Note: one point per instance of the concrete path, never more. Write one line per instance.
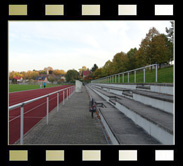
(71, 125)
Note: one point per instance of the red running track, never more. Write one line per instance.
(33, 112)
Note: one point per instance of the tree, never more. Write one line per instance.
(58, 72)
(120, 62)
(151, 34)
(88, 78)
(42, 72)
(34, 74)
(95, 67)
(170, 36)
(84, 68)
(14, 74)
(98, 73)
(160, 48)
(131, 58)
(51, 78)
(11, 75)
(31, 74)
(145, 49)
(23, 74)
(107, 69)
(139, 58)
(170, 32)
(48, 69)
(71, 75)
(169, 45)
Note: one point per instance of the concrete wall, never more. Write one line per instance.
(162, 89)
(154, 87)
(78, 85)
(151, 128)
(160, 104)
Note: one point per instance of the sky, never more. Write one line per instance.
(72, 44)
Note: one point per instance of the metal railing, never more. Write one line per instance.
(70, 91)
(113, 78)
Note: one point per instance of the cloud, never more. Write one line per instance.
(72, 44)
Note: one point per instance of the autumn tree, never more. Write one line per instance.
(98, 73)
(87, 78)
(32, 74)
(139, 58)
(84, 68)
(51, 78)
(42, 72)
(131, 58)
(48, 69)
(170, 36)
(170, 32)
(107, 69)
(58, 72)
(23, 74)
(95, 67)
(11, 75)
(145, 49)
(160, 49)
(120, 62)
(14, 74)
(154, 48)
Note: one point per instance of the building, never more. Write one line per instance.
(86, 73)
(18, 79)
(62, 77)
(41, 79)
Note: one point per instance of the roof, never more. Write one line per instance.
(40, 78)
(17, 78)
(41, 75)
(86, 73)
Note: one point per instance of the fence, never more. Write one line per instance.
(113, 78)
(69, 91)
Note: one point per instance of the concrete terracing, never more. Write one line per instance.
(149, 110)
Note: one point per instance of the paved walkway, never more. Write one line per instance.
(71, 125)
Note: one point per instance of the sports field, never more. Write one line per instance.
(18, 87)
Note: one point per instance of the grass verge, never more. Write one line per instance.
(17, 87)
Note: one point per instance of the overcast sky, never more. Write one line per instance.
(73, 44)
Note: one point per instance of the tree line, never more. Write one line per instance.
(155, 48)
(35, 73)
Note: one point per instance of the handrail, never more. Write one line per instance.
(32, 100)
(70, 91)
(134, 70)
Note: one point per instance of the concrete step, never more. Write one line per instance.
(146, 87)
(125, 130)
(117, 90)
(127, 93)
(167, 88)
(157, 100)
(99, 101)
(157, 123)
(120, 128)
